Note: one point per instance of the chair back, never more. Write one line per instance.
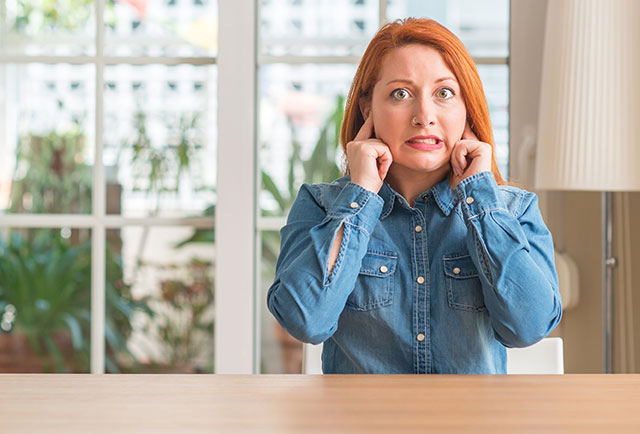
(544, 357)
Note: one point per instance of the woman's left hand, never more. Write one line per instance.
(470, 156)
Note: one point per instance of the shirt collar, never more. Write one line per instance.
(442, 193)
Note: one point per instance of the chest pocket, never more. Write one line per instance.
(464, 290)
(374, 287)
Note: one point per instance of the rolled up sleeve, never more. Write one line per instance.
(515, 259)
(306, 298)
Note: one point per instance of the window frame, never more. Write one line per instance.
(238, 220)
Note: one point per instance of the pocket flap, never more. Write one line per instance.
(459, 267)
(379, 264)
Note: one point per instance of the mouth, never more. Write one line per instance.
(425, 143)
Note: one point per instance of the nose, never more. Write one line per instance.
(424, 114)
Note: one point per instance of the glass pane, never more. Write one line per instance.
(45, 300)
(317, 28)
(301, 108)
(161, 28)
(483, 26)
(44, 27)
(164, 320)
(495, 80)
(280, 352)
(47, 124)
(160, 139)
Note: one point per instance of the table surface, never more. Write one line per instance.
(56, 403)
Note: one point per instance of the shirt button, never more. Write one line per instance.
(418, 228)
(469, 200)
(383, 269)
(425, 196)
(420, 337)
(456, 270)
(420, 280)
(354, 205)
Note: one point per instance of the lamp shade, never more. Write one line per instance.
(589, 120)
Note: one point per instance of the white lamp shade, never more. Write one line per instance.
(589, 120)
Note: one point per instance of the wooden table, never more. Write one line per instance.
(322, 404)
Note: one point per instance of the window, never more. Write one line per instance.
(107, 186)
(111, 173)
(303, 79)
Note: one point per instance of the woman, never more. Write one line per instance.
(423, 260)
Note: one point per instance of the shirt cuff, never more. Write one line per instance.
(479, 194)
(361, 206)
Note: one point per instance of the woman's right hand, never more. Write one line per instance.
(369, 158)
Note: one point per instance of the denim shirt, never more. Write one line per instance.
(440, 287)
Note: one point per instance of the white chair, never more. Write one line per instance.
(544, 357)
(312, 359)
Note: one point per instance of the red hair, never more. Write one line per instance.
(455, 55)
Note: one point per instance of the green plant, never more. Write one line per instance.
(47, 281)
(183, 313)
(320, 167)
(51, 176)
(46, 277)
(62, 15)
(159, 168)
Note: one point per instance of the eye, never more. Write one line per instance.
(400, 94)
(445, 93)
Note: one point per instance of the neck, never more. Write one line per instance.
(410, 183)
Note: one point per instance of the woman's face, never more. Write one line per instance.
(417, 108)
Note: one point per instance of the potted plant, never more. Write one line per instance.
(183, 317)
(45, 274)
(45, 285)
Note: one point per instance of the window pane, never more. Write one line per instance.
(495, 80)
(45, 300)
(41, 27)
(47, 135)
(280, 352)
(161, 28)
(160, 135)
(483, 26)
(301, 109)
(316, 28)
(162, 281)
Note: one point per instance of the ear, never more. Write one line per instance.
(365, 107)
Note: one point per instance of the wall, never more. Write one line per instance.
(574, 218)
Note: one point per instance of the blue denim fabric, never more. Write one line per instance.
(484, 253)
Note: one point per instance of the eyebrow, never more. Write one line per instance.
(402, 80)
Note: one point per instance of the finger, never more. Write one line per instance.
(453, 159)
(366, 130)
(384, 162)
(459, 157)
(468, 133)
